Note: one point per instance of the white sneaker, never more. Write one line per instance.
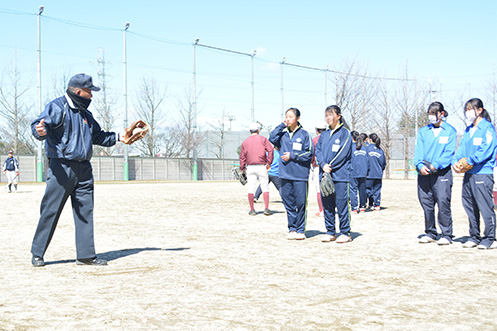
(300, 236)
(469, 244)
(426, 240)
(292, 235)
(443, 241)
(493, 246)
(342, 239)
(327, 238)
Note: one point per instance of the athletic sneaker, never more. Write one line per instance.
(443, 241)
(377, 208)
(267, 212)
(493, 246)
(355, 211)
(252, 213)
(363, 210)
(342, 239)
(292, 235)
(426, 240)
(327, 238)
(469, 244)
(300, 236)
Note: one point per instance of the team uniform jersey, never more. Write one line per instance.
(479, 145)
(435, 145)
(330, 144)
(377, 162)
(359, 162)
(298, 143)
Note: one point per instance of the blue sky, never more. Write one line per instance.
(451, 43)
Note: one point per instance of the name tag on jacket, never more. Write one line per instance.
(297, 146)
(477, 141)
(443, 140)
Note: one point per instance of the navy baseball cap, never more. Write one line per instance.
(83, 81)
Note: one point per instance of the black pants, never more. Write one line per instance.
(67, 179)
(436, 189)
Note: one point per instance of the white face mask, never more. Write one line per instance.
(471, 115)
(432, 119)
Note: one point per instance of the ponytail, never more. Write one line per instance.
(375, 139)
(358, 139)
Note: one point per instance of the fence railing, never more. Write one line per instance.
(109, 168)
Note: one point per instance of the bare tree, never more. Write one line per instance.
(169, 139)
(406, 102)
(150, 97)
(189, 135)
(58, 86)
(15, 111)
(491, 102)
(219, 129)
(384, 121)
(104, 103)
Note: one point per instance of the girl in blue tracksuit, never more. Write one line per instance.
(333, 155)
(359, 172)
(435, 147)
(377, 163)
(296, 152)
(478, 148)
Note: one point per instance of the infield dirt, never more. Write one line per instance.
(187, 256)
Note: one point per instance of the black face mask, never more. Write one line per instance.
(79, 102)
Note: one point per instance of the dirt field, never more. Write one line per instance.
(187, 256)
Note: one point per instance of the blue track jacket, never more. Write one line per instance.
(331, 143)
(299, 144)
(377, 162)
(360, 162)
(71, 133)
(438, 150)
(274, 165)
(480, 148)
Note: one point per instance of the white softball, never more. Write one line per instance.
(137, 130)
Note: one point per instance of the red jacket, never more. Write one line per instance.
(255, 149)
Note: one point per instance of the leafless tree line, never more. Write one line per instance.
(392, 108)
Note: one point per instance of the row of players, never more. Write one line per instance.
(357, 164)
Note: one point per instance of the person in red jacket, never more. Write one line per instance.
(256, 156)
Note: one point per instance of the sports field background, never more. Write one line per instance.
(187, 256)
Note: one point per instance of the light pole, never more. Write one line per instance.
(39, 164)
(252, 112)
(195, 157)
(125, 78)
(281, 87)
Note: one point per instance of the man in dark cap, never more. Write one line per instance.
(69, 131)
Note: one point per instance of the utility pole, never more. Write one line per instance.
(195, 156)
(281, 88)
(39, 165)
(252, 112)
(126, 164)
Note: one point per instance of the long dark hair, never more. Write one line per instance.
(358, 139)
(335, 109)
(375, 139)
(475, 104)
(364, 136)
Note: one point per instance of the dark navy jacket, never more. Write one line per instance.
(71, 133)
(11, 164)
(330, 143)
(299, 144)
(377, 162)
(359, 161)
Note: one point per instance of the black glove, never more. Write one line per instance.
(430, 167)
(327, 186)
